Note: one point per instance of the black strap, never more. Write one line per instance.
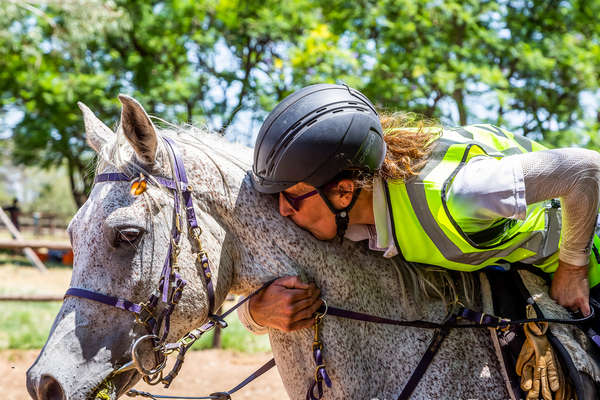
(216, 396)
(488, 321)
(342, 217)
(415, 378)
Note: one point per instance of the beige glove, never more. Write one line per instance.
(537, 365)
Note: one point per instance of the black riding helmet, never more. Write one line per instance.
(312, 136)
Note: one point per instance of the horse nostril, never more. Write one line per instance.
(50, 389)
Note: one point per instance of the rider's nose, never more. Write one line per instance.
(285, 208)
(50, 389)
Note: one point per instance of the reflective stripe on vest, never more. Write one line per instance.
(427, 233)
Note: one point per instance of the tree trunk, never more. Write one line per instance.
(79, 196)
(458, 97)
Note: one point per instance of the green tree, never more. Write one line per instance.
(528, 60)
(185, 60)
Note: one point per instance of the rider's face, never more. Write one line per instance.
(311, 213)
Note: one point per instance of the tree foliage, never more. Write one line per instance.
(529, 65)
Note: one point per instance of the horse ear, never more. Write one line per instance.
(96, 133)
(138, 129)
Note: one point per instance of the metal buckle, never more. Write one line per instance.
(174, 299)
(144, 315)
(503, 327)
(218, 321)
(196, 232)
(319, 316)
(319, 378)
(178, 222)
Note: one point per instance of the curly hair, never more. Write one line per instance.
(408, 137)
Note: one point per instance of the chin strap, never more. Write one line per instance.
(342, 216)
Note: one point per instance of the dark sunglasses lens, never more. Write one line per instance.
(291, 200)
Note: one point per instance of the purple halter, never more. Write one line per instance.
(170, 285)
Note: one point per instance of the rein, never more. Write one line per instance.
(171, 284)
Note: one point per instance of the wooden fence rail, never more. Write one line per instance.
(34, 244)
(31, 298)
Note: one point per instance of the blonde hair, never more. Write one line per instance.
(408, 137)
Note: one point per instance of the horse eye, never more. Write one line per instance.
(127, 235)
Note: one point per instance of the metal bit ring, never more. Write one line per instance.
(136, 361)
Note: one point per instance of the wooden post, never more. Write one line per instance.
(17, 235)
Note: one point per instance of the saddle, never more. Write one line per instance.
(522, 293)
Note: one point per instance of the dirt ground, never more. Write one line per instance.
(204, 372)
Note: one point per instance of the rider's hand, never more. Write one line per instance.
(286, 304)
(570, 287)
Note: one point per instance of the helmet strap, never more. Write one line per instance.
(342, 217)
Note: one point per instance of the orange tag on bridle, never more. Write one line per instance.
(138, 186)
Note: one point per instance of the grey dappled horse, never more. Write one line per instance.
(120, 242)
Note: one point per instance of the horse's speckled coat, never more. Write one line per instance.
(248, 243)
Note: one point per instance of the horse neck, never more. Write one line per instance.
(229, 209)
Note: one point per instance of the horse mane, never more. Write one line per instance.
(418, 282)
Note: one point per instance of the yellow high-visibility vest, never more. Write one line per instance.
(426, 231)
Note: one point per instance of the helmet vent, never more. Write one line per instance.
(311, 122)
(338, 111)
(321, 110)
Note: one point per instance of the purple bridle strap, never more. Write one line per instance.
(117, 302)
(121, 177)
(182, 178)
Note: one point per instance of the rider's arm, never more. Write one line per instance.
(488, 188)
(248, 322)
(573, 175)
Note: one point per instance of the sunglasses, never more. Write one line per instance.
(295, 200)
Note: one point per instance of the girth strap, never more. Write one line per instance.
(426, 359)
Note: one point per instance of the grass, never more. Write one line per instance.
(25, 325)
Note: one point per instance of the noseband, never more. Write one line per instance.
(170, 284)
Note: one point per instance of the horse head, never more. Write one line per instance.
(120, 240)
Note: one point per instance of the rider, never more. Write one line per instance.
(460, 198)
